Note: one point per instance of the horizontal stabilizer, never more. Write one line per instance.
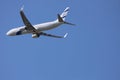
(69, 23)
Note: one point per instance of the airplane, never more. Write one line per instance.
(37, 30)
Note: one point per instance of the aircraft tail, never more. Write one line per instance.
(61, 18)
(65, 12)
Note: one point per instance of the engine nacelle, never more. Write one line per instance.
(35, 36)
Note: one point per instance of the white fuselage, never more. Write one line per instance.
(47, 25)
(38, 27)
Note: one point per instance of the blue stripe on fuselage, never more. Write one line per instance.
(19, 33)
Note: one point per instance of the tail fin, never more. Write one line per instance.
(64, 14)
(61, 18)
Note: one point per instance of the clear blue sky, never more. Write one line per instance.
(90, 52)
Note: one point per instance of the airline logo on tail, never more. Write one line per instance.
(64, 14)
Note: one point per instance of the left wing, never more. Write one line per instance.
(50, 35)
(28, 25)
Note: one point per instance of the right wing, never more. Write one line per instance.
(50, 35)
(27, 23)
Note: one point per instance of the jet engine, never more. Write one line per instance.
(35, 35)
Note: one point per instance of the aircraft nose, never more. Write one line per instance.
(10, 33)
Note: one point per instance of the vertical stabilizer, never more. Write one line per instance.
(61, 18)
(64, 14)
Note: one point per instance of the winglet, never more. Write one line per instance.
(65, 35)
(22, 8)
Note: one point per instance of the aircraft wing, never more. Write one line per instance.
(50, 35)
(27, 23)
